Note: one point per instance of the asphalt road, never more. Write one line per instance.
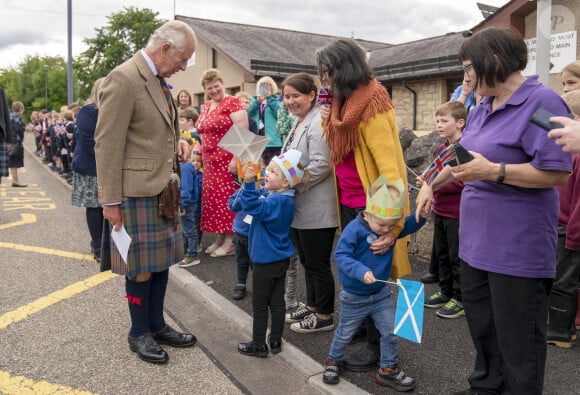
(73, 344)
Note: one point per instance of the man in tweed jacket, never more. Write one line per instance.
(137, 148)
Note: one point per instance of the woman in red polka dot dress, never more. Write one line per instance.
(217, 115)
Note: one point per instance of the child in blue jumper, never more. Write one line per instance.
(362, 295)
(189, 199)
(270, 245)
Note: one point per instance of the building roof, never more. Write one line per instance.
(430, 57)
(265, 50)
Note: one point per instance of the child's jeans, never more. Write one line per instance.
(354, 309)
(189, 230)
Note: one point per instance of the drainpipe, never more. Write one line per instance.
(414, 103)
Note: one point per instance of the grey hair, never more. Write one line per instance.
(175, 33)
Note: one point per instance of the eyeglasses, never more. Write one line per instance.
(467, 67)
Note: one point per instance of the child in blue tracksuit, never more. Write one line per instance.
(362, 295)
(270, 245)
(189, 199)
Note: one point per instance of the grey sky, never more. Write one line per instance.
(39, 27)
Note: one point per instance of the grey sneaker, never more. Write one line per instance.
(436, 300)
(312, 324)
(452, 309)
(395, 378)
(189, 261)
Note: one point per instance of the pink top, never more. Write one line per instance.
(350, 189)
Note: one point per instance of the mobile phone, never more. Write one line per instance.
(263, 89)
(542, 118)
(463, 156)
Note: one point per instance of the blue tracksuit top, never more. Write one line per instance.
(242, 219)
(272, 213)
(354, 257)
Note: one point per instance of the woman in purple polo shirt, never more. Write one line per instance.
(509, 215)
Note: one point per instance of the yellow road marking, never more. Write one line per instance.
(24, 312)
(47, 251)
(18, 385)
(25, 219)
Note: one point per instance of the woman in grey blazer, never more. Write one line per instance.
(316, 219)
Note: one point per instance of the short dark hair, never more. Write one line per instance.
(495, 53)
(303, 83)
(346, 62)
(189, 113)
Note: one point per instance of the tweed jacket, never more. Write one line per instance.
(379, 152)
(315, 202)
(136, 134)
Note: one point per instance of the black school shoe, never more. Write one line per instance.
(275, 345)
(147, 348)
(252, 350)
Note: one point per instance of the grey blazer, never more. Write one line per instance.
(136, 134)
(315, 202)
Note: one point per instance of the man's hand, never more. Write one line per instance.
(113, 214)
(183, 150)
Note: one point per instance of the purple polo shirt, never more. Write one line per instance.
(502, 228)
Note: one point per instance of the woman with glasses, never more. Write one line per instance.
(361, 130)
(508, 215)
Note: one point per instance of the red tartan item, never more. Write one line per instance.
(324, 96)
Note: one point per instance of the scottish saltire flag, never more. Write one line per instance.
(446, 157)
(324, 96)
(409, 313)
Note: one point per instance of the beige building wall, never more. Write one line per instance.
(232, 74)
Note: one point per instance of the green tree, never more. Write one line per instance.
(34, 78)
(126, 32)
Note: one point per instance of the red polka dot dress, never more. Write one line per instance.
(218, 184)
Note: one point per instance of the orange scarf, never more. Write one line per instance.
(342, 132)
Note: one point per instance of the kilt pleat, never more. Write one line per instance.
(155, 246)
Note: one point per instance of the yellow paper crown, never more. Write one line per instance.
(379, 199)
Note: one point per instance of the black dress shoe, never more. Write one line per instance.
(147, 348)
(362, 361)
(239, 292)
(171, 337)
(251, 349)
(429, 278)
(18, 185)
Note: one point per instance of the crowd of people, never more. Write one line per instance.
(328, 167)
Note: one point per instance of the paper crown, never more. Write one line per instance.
(381, 203)
(288, 163)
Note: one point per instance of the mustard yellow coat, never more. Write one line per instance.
(379, 152)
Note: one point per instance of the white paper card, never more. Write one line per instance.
(122, 241)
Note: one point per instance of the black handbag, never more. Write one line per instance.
(17, 149)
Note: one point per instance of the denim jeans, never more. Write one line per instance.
(354, 309)
(189, 230)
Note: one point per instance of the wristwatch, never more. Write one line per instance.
(501, 175)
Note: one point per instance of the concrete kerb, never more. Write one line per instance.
(291, 354)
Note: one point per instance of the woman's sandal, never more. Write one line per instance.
(210, 250)
(219, 252)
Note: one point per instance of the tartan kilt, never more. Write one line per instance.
(155, 246)
(3, 159)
